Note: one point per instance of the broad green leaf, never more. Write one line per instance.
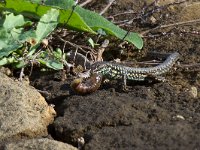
(38, 1)
(81, 19)
(20, 64)
(67, 4)
(5, 60)
(96, 22)
(35, 11)
(3, 38)
(9, 34)
(27, 36)
(52, 61)
(15, 33)
(47, 24)
(53, 64)
(7, 43)
(5, 51)
(12, 21)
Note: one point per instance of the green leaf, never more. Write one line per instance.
(20, 64)
(15, 33)
(91, 42)
(101, 32)
(47, 24)
(7, 43)
(53, 64)
(3, 38)
(12, 21)
(96, 22)
(27, 36)
(60, 3)
(5, 60)
(10, 33)
(81, 19)
(9, 49)
(35, 11)
(58, 53)
(52, 61)
(37, 1)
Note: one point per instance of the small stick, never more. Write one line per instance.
(106, 8)
(101, 50)
(71, 44)
(44, 93)
(189, 66)
(85, 3)
(79, 46)
(85, 61)
(21, 74)
(123, 13)
(170, 25)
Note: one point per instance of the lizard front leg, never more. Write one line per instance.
(124, 84)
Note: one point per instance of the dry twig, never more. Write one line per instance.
(101, 50)
(85, 3)
(106, 8)
(71, 44)
(170, 25)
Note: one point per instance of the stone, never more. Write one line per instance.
(23, 111)
(39, 144)
(194, 92)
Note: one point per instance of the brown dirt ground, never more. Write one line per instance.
(149, 116)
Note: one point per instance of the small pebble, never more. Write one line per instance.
(194, 91)
(180, 117)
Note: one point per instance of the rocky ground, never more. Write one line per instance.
(25, 115)
(162, 115)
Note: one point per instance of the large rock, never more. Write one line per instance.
(38, 144)
(23, 111)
